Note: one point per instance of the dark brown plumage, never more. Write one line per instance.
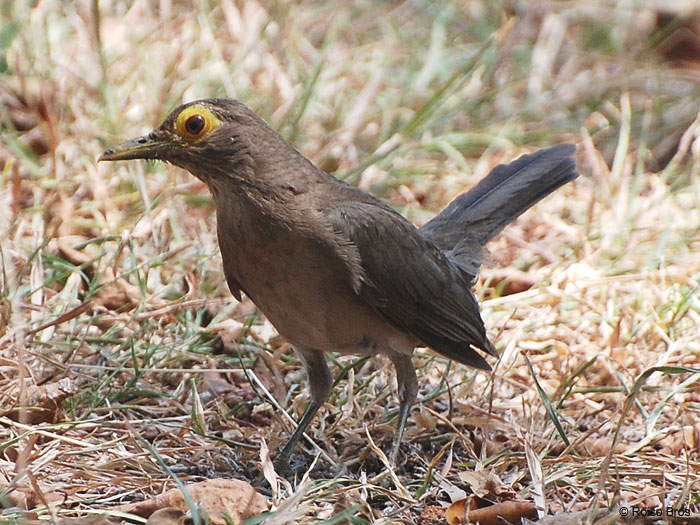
(332, 267)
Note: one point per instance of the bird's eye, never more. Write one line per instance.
(195, 122)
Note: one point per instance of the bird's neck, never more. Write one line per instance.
(272, 200)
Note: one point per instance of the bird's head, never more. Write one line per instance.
(209, 138)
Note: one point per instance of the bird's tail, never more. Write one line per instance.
(475, 217)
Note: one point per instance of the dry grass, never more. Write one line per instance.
(122, 350)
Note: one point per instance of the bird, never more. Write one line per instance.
(332, 267)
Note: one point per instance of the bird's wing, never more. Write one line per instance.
(410, 281)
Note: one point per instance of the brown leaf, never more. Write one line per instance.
(63, 318)
(5, 312)
(65, 247)
(168, 516)
(681, 46)
(17, 498)
(35, 141)
(43, 402)
(678, 441)
(19, 111)
(25, 114)
(229, 330)
(498, 514)
(484, 483)
(116, 293)
(216, 383)
(599, 447)
(455, 512)
(510, 280)
(425, 419)
(232, 498)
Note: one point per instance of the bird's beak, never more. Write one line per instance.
(146, 147)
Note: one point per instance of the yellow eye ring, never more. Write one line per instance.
(195, 122)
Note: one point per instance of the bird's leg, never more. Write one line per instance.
(320, 383)
(408, 390)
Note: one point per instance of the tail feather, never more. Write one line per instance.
(475, 217)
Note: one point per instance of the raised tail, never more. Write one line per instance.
(475, 217)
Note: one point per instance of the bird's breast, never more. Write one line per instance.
(301, 285)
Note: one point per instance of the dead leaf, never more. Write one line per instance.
(25, 114)
(599, 447)
(484, 483)
(21, 112)
(65, 247)
(681, 46)
(676, 442)
(17, 498)
(229, 330)
(455, 513)
(425, 419)
(221, 498)
(116, 293)
(43, 402)
(5, 313)
(648, 497)
(168, 516)
(498, 514)
(215, 382)
(63, 318)
(510, 280)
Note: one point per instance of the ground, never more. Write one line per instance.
(126, 367)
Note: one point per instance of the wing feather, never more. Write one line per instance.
(411, 282)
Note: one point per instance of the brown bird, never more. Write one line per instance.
(332, 267)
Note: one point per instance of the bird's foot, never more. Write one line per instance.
(291, 465)
(297, 465)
